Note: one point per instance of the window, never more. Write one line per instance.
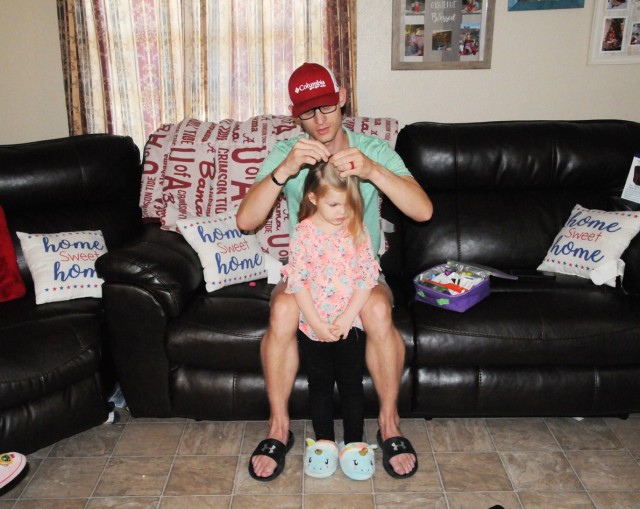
(133, 65)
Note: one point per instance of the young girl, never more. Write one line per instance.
(331, 271)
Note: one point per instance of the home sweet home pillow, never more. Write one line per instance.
(227, 255)
(591, 243)
(63, 264)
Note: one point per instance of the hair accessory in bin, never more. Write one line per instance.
(454, 285)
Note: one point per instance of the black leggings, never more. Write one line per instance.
(328, 363)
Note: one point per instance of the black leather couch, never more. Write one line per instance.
(55, 373)
(501, 191)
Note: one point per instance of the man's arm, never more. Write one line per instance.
(262, 195)
(403, 191)
(258, 202)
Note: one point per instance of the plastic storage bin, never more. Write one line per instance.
(455, 295)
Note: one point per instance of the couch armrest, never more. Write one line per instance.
(161, 262)
(631, 256)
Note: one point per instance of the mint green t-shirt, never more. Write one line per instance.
(374, 148)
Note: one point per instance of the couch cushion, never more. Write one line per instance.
(502, 190)
(518, 325)
(219, 333)
(89, 182)
(44, 355)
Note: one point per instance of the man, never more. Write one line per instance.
(317, 102)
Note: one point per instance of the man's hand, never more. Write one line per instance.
(404, 192)
(304, 152)
(259, 200)
(350, 161)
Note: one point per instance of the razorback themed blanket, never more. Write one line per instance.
(201, 169)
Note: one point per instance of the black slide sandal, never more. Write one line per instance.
(392, 447)
(275, 450)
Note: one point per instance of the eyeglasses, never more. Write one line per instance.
(312, 113)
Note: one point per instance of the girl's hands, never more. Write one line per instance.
(343, 326)
(326, 332)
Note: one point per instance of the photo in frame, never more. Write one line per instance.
(538, 5)
(442, 34)
(615, 32)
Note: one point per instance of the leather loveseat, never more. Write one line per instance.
(501, 191)
(55, 372)
(538, 346)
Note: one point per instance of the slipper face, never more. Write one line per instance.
(320, 458)
(357, 460)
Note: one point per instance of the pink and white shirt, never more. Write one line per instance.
(330, 267)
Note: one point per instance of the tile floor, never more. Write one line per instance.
(464, 463)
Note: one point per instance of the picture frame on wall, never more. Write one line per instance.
(615, 32)
(538, 5)
(442, 34)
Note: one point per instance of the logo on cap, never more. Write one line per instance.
(311, 86)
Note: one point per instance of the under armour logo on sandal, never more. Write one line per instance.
(398, 446)
(268, 449)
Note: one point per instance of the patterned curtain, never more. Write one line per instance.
(132, 65)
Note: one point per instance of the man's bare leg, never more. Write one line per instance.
(385, 360)
(279, 354)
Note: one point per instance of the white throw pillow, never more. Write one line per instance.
(226, 254)
(591, 243)
(62, 265)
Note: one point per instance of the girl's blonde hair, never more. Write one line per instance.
(324, 176)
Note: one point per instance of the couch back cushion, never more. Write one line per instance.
(502, 190)
(88, 182)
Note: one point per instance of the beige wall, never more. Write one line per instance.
(32, 105)
(539, 71)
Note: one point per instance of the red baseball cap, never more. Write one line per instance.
(312, 86)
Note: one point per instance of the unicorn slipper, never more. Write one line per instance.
(320, 458)
(11, 464)
(357, 460)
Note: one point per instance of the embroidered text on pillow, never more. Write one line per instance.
(63, 264)
(227, 255)
(591, 243)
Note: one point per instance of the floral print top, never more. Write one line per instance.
(330, 267)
